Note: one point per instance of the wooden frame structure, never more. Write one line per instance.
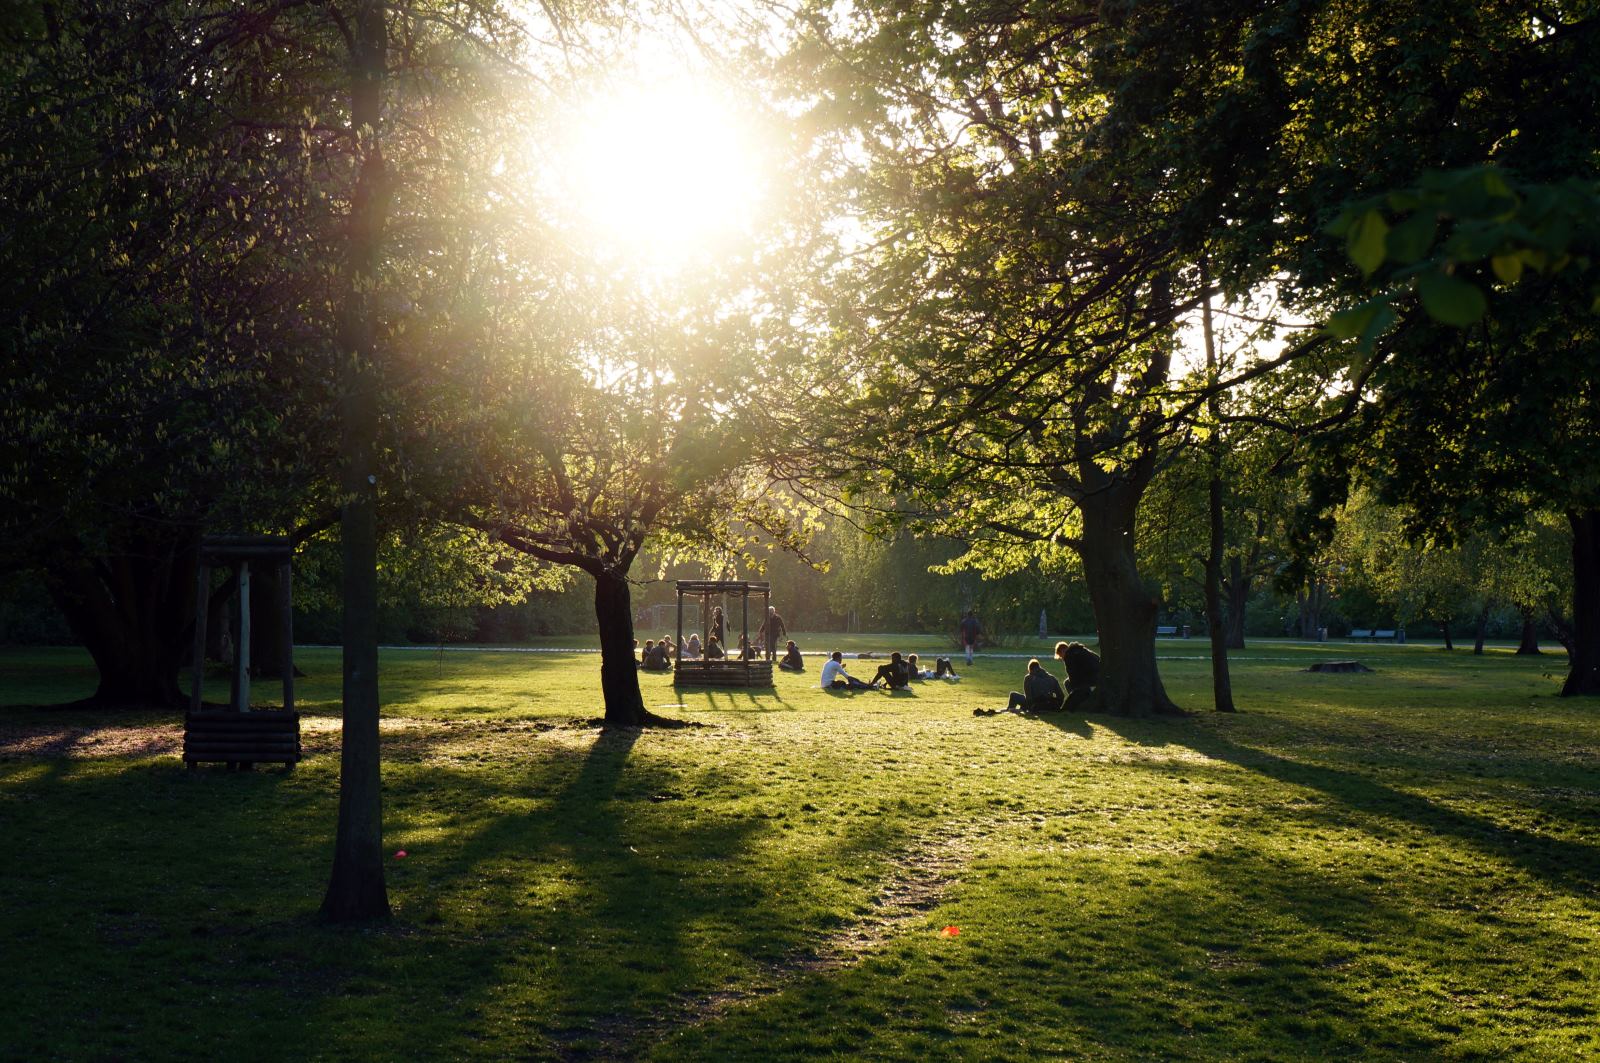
(239, 735)
(729, 671)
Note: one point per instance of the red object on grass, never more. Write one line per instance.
(950, 931)
(400, 854)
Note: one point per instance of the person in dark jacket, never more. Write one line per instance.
(895, 675)
(771, 630)
(1083, 672)
(1041, 691)
(792, 661)
(970, 630)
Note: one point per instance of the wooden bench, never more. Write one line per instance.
(228, 736)
(1361, 633)
(1166, 632)
(1376, 635)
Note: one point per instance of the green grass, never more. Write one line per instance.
(1398, 865)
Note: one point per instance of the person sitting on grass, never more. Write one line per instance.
(714, 649)
(691, 646)
(944, 668)
(834, 677)
(655, 658)
(895, 675)
(1041, 692)
(791, 659)
(747, 652)
(1083, 672)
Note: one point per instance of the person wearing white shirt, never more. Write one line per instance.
(834, 677)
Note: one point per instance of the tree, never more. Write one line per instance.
(356, 888)
(157, 241)
(599, 439)
(999, 350)
(1515, 371)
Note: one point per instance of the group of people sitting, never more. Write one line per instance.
(895, 675)
(1042, 692)
(658, 656)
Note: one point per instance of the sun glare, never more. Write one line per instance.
(662, 171)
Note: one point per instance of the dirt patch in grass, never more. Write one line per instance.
(403, 739)
(48, 741)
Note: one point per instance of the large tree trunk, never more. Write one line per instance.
(219, 632)
(269, 648)
(619, 676)
(356, 888)
(1238, 597)
(133, 612)
(1310, 602)
(1124, 609)
(1221, 683)
(1583, 675)
(1529, 645)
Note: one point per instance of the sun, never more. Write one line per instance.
(662, 171)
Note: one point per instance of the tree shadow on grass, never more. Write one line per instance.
(723, 699)
(618, 881)
(1563, 864)
(1232, 958)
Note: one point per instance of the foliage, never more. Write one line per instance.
(1457, 234)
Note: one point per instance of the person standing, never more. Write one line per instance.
(970, 630)
(772, 629)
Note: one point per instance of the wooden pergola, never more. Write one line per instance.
(728, 671)
(239, 735)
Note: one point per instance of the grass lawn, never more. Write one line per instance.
(1397, 865)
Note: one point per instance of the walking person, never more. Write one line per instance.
(970, 630)
(771, 630)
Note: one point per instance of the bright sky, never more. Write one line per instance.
(662, 166)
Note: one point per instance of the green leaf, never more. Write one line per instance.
(1366, 241)
(1410, 240)
(1450, 299)
(1378, 325)
(1348, 324)
(1507, 267)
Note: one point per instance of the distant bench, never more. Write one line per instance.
(1364, 633)
(1170, 632)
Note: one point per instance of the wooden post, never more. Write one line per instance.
(241, 652)
(744, 622)
(677, 650)
(202, 606)
(287, 605)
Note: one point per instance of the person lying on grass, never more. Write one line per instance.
(834, 677)
(943, 669)
(1041, 692)
(792, 661)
